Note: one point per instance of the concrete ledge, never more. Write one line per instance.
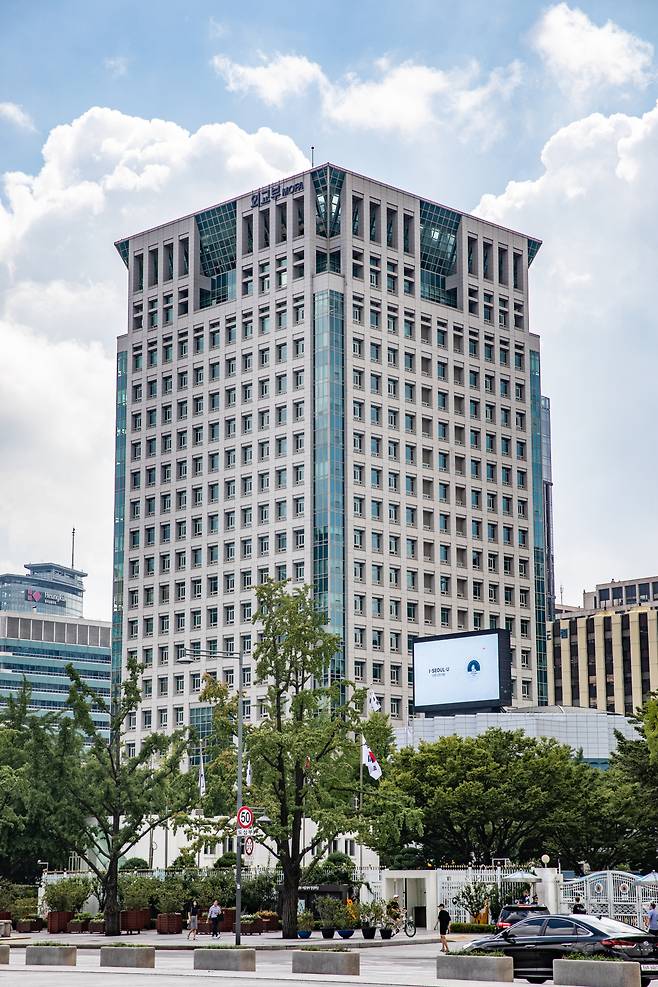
(135, 956)
(326, 961)
(596, 973)
(243, 960)
(4, 954)
(456, 966)
(50, 955)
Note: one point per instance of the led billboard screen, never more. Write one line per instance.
(462, 672)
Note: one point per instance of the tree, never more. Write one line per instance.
(109, 800)
(502, 794)
(304, 752)
(25, 806)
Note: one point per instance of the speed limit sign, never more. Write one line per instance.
(245, 817)
(249, 846)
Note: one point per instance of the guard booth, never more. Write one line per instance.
(417, 891)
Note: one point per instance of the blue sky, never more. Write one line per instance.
(116, 116)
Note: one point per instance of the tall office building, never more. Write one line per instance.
(331, 381)
(42, 630)
(547, 479)
(46, 588)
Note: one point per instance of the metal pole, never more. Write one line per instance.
(361, 807)
(238, 839)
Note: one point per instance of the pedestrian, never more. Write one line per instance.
(214, 914)
(651, 920)
(578, 907)
(193, 920)
(444, 927)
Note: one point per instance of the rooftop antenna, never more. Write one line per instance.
(312, 154)
(73, 548)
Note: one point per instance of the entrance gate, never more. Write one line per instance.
(611, 893)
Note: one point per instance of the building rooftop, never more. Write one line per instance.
(532, 250)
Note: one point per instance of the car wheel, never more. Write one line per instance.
(537, 980)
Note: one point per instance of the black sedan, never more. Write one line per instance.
(534, 943)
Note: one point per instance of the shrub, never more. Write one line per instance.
(137, 892)
(134, 863)
(471, 927)
(226, 862)
(259, 891)
(68, 895)
(331, 912)
(7, 895)
(306, 921)
(24, 907)
(171, 896)
(473, 897)
(337, 868)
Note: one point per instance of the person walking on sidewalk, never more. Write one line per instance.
(193, 920)
(444, 927)
(214, 914)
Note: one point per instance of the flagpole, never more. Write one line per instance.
(361, 808)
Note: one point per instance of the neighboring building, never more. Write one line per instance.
(331, 381)
(47, 588)
(605, 659)
(626, 592)
(547, 480)
(586, 730)
(37, 649)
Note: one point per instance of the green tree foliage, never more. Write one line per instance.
(501, 794)
(305, 751)
(107, 801)
(25, 805)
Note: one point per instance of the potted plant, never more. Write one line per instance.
(330, 915)
(348, 919)
(270, 921)
(7, 898)
(64, 898)
(168, 901)
(305, 924)
(79, 922)
(371, 915)
(135, 901)
(249, 924)
(387, 922)
(97, 924)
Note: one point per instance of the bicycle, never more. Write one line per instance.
(406, 924)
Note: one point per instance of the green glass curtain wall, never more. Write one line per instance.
(329, 466)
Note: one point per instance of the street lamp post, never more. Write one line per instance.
(187, 658)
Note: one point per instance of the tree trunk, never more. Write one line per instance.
(112, 913)
(289, 899)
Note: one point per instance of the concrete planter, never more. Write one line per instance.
(326, 962)
(4, 955)
(135, 956)
(50, 955)
(453, 966)
(242, 960)
(5, 928)
(596, 973)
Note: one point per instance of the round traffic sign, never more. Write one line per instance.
(245, 817)
(249, 846)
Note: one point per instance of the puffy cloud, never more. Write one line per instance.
(275, 80)
(15, 114)
(63, 302)
(406, 97)
(584, 57)
(592, 303)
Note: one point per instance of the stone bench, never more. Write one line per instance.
(456, 966)
(50, 955)
(128, 956)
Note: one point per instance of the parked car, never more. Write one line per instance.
(510, 914)
(535, 942)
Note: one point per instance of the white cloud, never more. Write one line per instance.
(584, 57)
(591, 291)
(116, 65)
(278, 78)
(63, 302)
(406, 97)
(15, 114)
(217, 29)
